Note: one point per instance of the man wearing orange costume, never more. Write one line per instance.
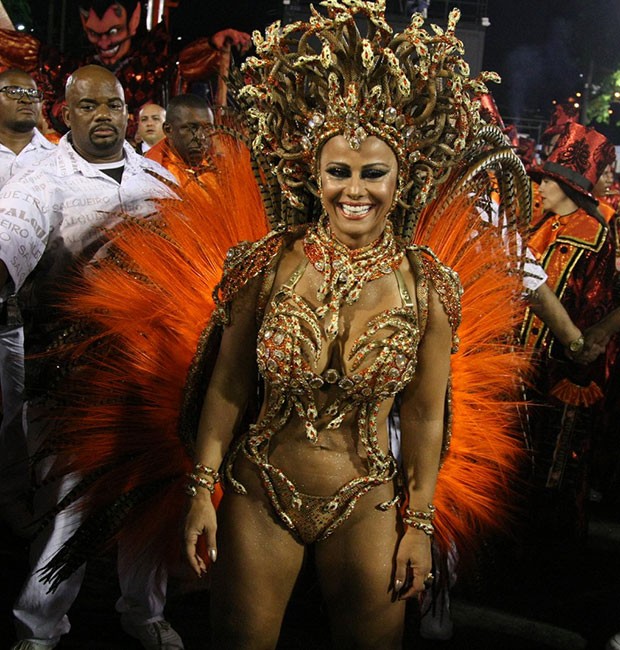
(141, 60)
(184, 151)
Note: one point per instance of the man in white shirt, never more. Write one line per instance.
(21, 144)
(52, 216)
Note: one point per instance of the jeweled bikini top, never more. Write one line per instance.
(382, 360)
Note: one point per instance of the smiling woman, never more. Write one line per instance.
(317, 332)
(358, 188)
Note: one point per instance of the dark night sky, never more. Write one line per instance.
(536, 45)
(539, 47)
(543, 49)
(526, 44)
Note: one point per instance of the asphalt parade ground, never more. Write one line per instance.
(536, 595)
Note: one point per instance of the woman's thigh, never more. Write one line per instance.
(355, 567)
(257, 565)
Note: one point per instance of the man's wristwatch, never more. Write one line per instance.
(576, 346)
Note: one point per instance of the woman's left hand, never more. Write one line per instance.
(414, 562)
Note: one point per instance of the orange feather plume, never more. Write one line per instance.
(479, 478)
(148, 305)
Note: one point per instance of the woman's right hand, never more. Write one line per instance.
(200, 520)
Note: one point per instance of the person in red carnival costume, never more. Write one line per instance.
(524, 147)
(607, 466)
(606, 333)
(563, 114)
(141, 60)
(526, 150)
(489, 112)
(574, 246)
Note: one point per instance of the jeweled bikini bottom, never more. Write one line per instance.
(311, 517)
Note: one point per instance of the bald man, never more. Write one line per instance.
(53, 215)
(150, 130)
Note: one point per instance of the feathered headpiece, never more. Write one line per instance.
(317, 79)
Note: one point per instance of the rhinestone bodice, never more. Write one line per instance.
(290, 339)
(308, 383)
(381, 361)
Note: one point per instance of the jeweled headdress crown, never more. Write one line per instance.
(312, 80)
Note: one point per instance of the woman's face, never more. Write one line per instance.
(357, 188)
(604, 182)
(554, 199)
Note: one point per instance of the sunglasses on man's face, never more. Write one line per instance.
(17, 92)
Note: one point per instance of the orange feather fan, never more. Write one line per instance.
(148, 306)
(476, 487)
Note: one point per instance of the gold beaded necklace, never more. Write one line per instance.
(346, 270)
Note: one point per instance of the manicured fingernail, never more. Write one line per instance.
(398, 584)
(212, 554)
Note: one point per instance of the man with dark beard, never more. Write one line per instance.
(21, 144)
(53, 214)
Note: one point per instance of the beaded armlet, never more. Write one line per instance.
(448, 286)
(243, 262)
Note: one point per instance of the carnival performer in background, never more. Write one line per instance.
(574, 246)
(563, 115)
(281, 384)
(185, 149)
(142, 60)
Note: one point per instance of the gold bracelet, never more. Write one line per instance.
(425, 527)
(425, 515)
(191, 489)
(199, 468)
(202, 482)
(421, 519)
(196, 481)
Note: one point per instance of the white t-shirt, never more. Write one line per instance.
(11, 163)
(51, 220)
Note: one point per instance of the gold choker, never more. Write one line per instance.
(346, 270)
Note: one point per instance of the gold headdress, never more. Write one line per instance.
(312, 80)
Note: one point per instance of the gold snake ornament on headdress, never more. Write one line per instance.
(313, 80)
